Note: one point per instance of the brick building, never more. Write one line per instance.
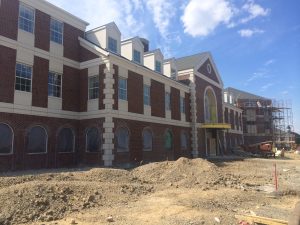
(70, 96)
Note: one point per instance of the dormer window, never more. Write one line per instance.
(157, 66)
(136, 56)
(112, 44)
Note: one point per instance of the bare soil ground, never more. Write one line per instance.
(183, 192)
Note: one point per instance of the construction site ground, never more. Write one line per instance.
(183, 192)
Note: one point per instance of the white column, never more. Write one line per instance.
(193, 103)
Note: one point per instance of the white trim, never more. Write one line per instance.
(12, 140)
(212, 82)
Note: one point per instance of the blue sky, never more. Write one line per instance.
(255, 43)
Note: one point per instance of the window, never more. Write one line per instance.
(112, 45)
(65, 140)
(147, 140)
(122, 139)
(56, 31)
(26, 18)
(94, 87)
(210, 107)
(157, 66)
(184, 140)
(54, 84)
(37, 140)
(168, 101)
(173, 73)
(168, 140)
(146, 95)
(182, 104)
(137, 56)
(6, 139)
(122, 89)
(92, 140)
(23, 77)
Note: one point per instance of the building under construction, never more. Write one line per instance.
(264, 119)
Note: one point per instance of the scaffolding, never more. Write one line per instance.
(283, 126)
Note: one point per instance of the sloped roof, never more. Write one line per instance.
(189, 62)
(243, 94)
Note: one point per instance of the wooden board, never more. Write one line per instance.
(261, 220)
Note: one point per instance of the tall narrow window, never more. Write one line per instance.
(137, 56)
(157, 66)
(184, 140)
(92, 140)
(26, 18)
(168, 140)
(112, 45)
(54, 84)
(147, 140)
(122, 139)
(122, 88)
(6, 139)
(56, 31)
(182, 104)
(94, 87)
(168, 101)
(37, 140)
(146, 95)
(65, 140)
(23, 77)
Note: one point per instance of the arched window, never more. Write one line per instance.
(184, 140)
(122, 135)
(6, 139)
(65, 140)
(210, 107)
(168, 140)
(147, 140)
(93, 142)
(37, 140)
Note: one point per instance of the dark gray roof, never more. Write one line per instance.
(238, 94)
(189, 62)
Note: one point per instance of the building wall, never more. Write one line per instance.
(9, 18)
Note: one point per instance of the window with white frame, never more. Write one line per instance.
(136, 56)
(37, 140)
(6, 139)
(182, 104)
(168, 101)
(157, 66)
(147, 140)
(23, 77)
(146, 95)
(65, 140)
(93, 142)
(122, 139)
(54, 84)
(56, 31)
(26, 18)
(112, 44)
(94, 87)
(122, 92)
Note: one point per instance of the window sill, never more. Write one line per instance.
(38, 153)
(54, 42)
(66, 152)
(147, 150)
(6, 154)
(55, 98)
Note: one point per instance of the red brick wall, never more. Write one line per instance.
(101, 86)
(9, 12)
(70, 89)
(7, 74)
(135, 93)
(188, 107)
(203, 70)
(175, 104)
(158, 153)
(40, 82)
(42, 30)
(157, 95)
(86, 55)
(71, 42)
(200, 89)
(116, 87)
(83, 90)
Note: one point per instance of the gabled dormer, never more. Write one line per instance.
(107, 36)
(170, 68)
(133, 49)
(154, 60)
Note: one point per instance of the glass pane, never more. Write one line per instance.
(93, 140)
(6, 138)
(36, 140)
(65, 140)
(168, 140)
(122, 139)
(147, 140)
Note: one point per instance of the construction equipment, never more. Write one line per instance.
(262, 149)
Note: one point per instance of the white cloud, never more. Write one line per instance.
(254, 11)
(269, 62)
(201, 17)
(249, 32)
(266, 87)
